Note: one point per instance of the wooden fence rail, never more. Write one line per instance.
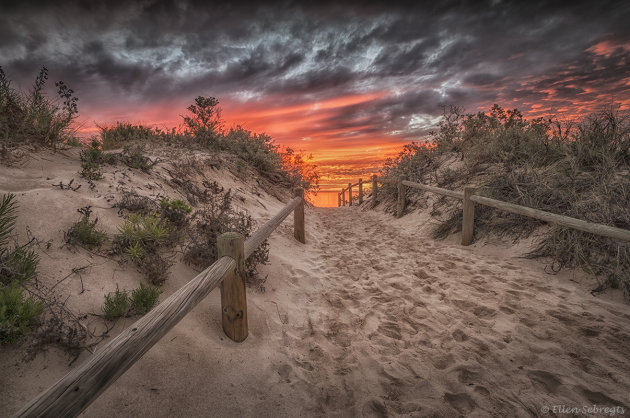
(470, 198)
(81, 386)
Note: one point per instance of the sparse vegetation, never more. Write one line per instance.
(17, 267)
(32, 117)
(17, 313)
(121, 134)
(203, 128)
(135, 203)
(84, 232)
(216, 218)
(144, 298)
(140, 238)
(133, 156)
(121, 303)
(92, 158)
(116, 304)
(175, 211)
(580, 170)
(148, 232)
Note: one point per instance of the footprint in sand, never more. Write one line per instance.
(547, 381)
(460, 401)
(459, 335)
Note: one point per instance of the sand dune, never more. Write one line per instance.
(371, 317)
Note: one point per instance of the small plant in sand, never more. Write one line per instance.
(116, 304)
(175, 211)
(133, 156)
(122, 303)
(140, 238)
(17, 313)
(17, 266)
(92, 158)
(148, 231)
(144, 298)
(84, 232)
(133, 202)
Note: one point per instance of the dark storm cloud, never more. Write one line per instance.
(465, 53)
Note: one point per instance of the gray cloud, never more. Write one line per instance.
(463, 53)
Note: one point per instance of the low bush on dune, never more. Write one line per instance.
(580, 170)
(203, 128)
(31, 117)
(120, 134)
(215, 218)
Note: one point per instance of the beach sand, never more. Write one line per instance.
(371, 317)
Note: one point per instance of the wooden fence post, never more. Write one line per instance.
(338, 199)
(343, 197)
(298, 217)
(233, 297)
(400, 208)
(360, 191)
(468, 220)
(349, 194)
(374, 190)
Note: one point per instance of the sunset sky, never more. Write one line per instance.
(350, 84)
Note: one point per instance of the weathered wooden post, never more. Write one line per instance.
(338, 199)
(349, 194)
(298, 217)
(360, 191)
(343, 197)
(400, 208)
(374, 190)
(233, 297)
(468, 221)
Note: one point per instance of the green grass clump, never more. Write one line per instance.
(113, 137)
(140, 238)
(116, 304)
(17, 267)
(121, 303)
(147, 232)
(32, 117)
(92, 158)
(144, 298)
(175, 211)
(175, 204)
(17, 313)
(84, 232)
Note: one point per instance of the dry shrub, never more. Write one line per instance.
(218, 217)
(578, 170)
(133, 202)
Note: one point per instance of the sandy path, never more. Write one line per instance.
(369, 318)
(407, 325)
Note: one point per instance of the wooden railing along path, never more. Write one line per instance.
(470, 198)
(82, 385)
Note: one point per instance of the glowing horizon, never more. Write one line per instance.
(350, 84)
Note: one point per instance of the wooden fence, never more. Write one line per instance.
(81, 386)
(470, 198)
